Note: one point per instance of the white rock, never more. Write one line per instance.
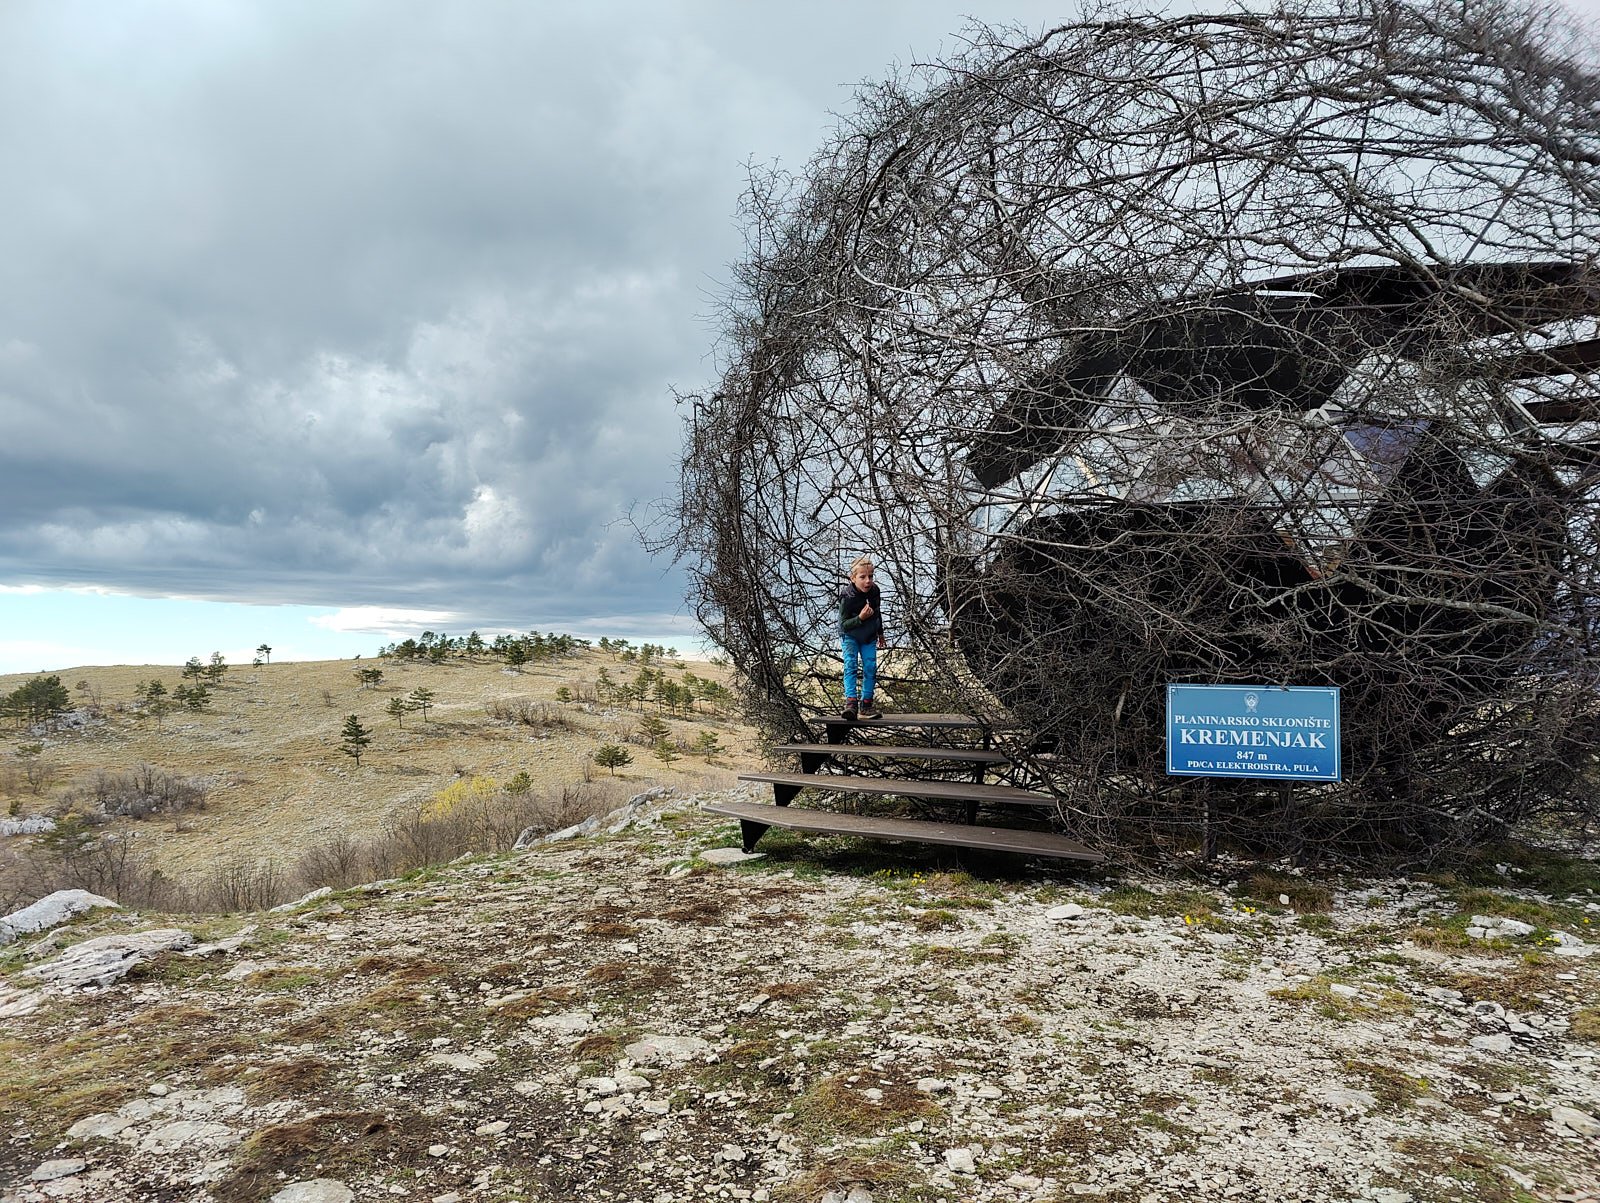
(650, 1135)
(960, 1161)
(32, 825)
(751, 1006)
(493, 1128)
(15, 1003)
(569, 1023)
(105, 959)
(102, 1126)
(1345, 1098)
(731, 1153)
(455, 1061)
(601, 1086)
(438, 1150)
(1069, 910)
(666, 1050)
(1525, 1181)
(1388, 1194)
(858, 1194)
(1577, 1121)
(315, 1190)
(1499, 1042)
(728, 856)
(50, 911)
(315, 895)
(182, 1133)
(932, 1085)
(1340, 990)
(63, 1167)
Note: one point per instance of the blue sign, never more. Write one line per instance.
(1288, 733)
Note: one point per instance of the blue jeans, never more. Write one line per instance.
(867, 654)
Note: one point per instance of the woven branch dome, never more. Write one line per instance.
(1254, 348)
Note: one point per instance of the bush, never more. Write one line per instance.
(144, 792)
(527, 712)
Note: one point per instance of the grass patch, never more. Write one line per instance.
(1473, 1169)
(58, 1082)
(1304, 896)
(838, 1106)
(1585, 1025)
(1318, 992)
(333, 1143)
(947, 957)
(297, 1077)
(1147, 904)
(285, 977)
(937, 919)
(1522, 984)
(1394, 1089)
(837, 1173)
(1530, 867)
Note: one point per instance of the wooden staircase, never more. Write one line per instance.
(827, 765)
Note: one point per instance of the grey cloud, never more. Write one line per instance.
(381, 302)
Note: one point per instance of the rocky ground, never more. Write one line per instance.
(649, 1016)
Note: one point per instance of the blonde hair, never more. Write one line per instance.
(861, 562)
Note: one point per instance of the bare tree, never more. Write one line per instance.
(1241, 348)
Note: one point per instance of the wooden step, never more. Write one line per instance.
(933, 721)
(755, 818)
(899, 752)
(786, 785)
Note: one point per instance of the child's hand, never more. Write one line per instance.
(866, 611)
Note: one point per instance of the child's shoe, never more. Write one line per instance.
(849, 710)
(868, 710)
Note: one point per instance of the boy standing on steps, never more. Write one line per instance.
(860, 637)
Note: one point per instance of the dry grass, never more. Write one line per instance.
(277, 784)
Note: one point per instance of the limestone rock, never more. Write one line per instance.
(63, 1167)
(1577, 1121)
(50, 911)
(960, 1161)
(105, 959)
(728, 856)
(315, 895)
(667, 1050)
(316, 1190)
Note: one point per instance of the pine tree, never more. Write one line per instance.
(354, 738)
(613, 757)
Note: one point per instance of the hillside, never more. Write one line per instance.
(653, 1017)
(266, 750)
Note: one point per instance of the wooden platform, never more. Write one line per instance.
(960, 721)
(899, 752)
(786, 785)
(755, 818)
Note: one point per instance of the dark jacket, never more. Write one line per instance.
(851, 601)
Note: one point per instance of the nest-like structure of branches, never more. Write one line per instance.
(1254, 348)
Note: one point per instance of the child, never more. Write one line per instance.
(860, 637)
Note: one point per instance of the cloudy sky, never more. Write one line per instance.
(330, 320)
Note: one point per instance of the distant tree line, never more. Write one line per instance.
(515, 650)
(652, 686)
